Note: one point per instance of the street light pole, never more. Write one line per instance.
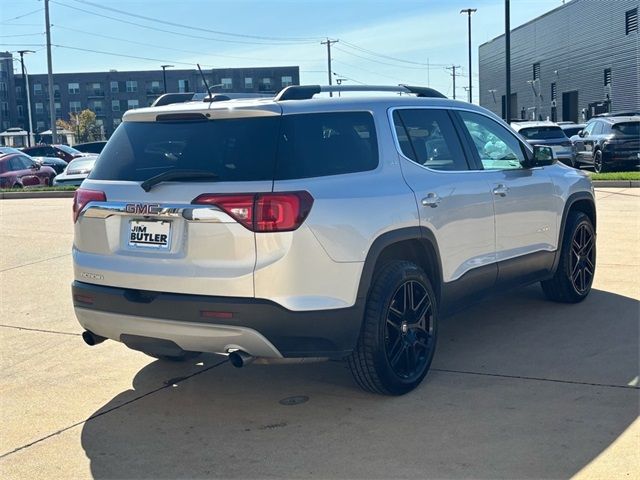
(52, 108)
(469, 11)
(164, 77)
(26, 87)
(507, 57)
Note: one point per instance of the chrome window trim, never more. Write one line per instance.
(396, 142)
(191, 213)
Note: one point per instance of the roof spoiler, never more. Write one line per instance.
(306, 92)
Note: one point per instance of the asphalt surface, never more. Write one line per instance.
(520, 387)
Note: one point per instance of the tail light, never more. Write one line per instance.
(82, 196)
(263, 212)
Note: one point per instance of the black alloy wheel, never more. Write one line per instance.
(409, 330)
(573, 278)
(399, 331)
(583, 258)
(598, 164)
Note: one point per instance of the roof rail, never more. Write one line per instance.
(169, 98)
(305, 92)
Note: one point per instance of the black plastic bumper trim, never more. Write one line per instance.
(318, 333)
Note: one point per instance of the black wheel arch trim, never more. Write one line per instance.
(388, 239)
(573, 198)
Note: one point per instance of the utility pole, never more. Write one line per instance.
(469, 11)
(328, 44)
(164, 77)
(507, 57)
(453, 74)
(52, 108)
(26, 87)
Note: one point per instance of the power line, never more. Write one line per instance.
(192, 52)
(102, 52)
(388, 57)
(389, 64)
(163, 30)
(22, 35)
(21, 16)
(190, 27)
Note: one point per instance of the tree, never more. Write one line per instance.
(84, 125)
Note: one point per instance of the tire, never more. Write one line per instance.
(17, 186)
(573, 278)
(396, 344)
(174, 358)
(598, 162)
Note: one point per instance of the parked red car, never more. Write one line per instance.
(18, 171)
(65, 152)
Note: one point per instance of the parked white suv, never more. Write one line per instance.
(306, 228)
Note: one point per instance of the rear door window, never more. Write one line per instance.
(321, 144)
(627, 129)
(427, 137)
(542, 133)
(243, 149)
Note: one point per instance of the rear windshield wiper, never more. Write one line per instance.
(177, 175)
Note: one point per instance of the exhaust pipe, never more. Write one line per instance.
(239, 358)
(91, 338)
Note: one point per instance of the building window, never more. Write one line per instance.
(132, 86)
(39, 126)
(265, 85)
(631, 21)
(227, 83)
(75, 106)
(248, 82)
(115, 105)
(97, 106)
(74, 87)
(20, 110)
(56, 90)
(155, 87)
(37, 89)
(287, 80)
(39, 108)
(183, 86)
(19, 91)
(116, 122)
(95, 89)
(536, 71)
(132, 104)
(607, 76)
(554, 91)
(4, 108)
(58, 108)
(114, 87)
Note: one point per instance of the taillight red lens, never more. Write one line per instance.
(82, 196)
(263, 212)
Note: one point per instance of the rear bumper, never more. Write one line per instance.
(216, 324)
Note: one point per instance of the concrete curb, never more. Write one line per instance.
(616, 183)
(36, 194)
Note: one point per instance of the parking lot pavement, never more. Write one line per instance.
(520, 387)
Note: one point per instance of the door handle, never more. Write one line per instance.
(501, 190)
(431, 200)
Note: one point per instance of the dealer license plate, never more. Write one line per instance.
(149, 234)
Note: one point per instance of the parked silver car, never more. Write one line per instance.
(299, 228)
(77, 170)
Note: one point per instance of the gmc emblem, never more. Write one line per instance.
(143, 208)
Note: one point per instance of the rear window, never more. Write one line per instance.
(69, 150)
(542, 133)
(243, 149)
(627, 128)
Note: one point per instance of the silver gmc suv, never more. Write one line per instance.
(297, 228)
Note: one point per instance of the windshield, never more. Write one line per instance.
(69, 150)
(628, 129)
(542, 133)
(243, 149)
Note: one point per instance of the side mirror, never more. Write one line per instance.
(582, 133)
(542, 157)
(35, 166)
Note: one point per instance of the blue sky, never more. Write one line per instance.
(275, 32)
